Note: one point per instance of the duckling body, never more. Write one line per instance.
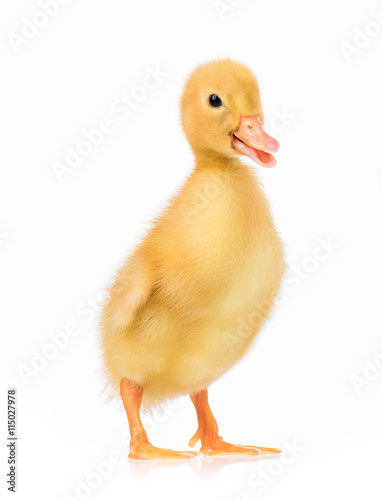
(216, 263)
(188, 303)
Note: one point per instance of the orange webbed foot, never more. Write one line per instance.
(142, 450)
(215, 445)
(212, 443)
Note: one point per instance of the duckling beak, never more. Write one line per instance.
(251, 140)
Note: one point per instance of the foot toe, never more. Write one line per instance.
(221, 447)
(146, 451)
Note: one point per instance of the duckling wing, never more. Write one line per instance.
(130, 291)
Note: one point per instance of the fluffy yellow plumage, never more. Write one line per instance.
(188, 303)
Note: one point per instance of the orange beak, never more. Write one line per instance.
(251, 140)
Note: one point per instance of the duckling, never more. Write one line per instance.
(190, 300)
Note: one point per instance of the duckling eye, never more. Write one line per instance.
(215, 101)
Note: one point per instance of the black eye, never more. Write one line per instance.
(215, 101)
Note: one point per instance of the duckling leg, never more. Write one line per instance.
(140, 447)
(212, 443)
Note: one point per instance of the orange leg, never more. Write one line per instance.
(140, 447)
(212, 443)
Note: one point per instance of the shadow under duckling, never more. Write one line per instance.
(172, 323)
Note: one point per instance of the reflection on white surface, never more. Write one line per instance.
(205, 467)
(223, 477)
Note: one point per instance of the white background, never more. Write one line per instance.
(61, 241)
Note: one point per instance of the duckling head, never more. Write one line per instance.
(222, 114)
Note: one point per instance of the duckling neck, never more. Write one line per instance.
(240, 189)
(208, 159)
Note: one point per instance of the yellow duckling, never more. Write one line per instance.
(188, 303)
